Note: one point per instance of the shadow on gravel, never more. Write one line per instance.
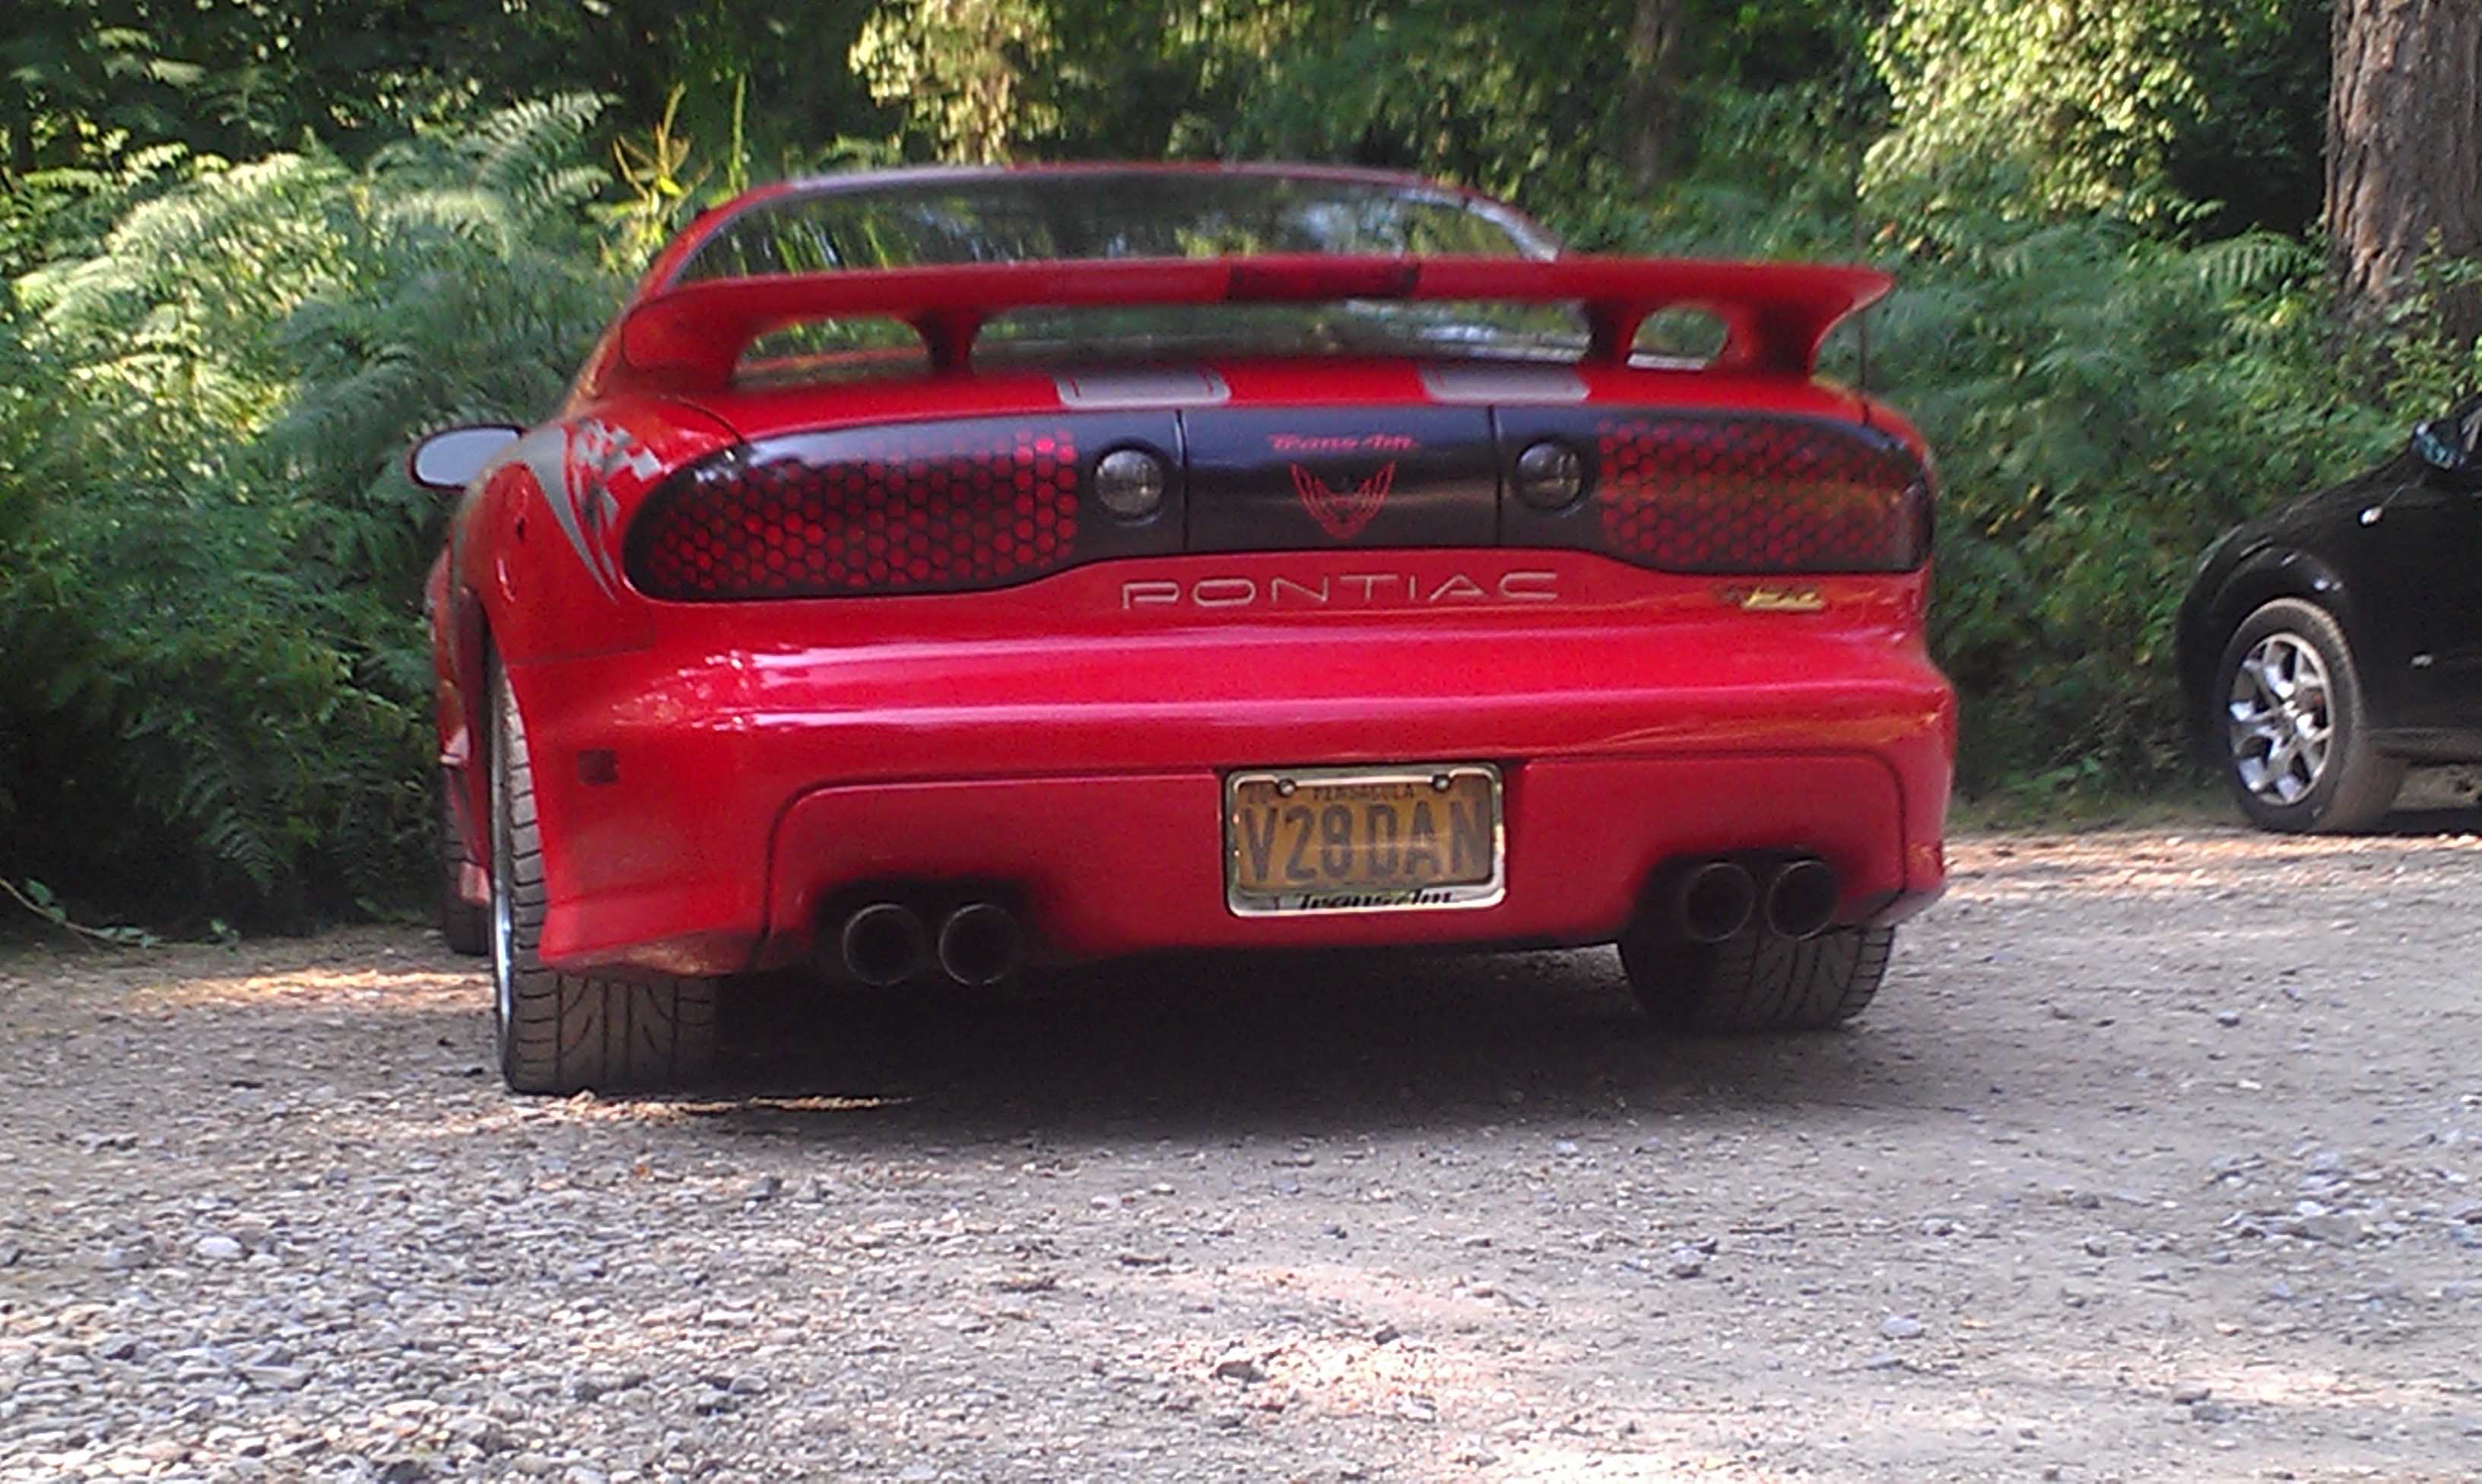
(2413, 822)
(1321, 1045)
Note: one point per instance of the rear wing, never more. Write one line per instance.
(689, 338)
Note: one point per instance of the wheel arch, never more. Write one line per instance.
(468, 757)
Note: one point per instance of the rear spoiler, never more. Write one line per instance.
(689, 338)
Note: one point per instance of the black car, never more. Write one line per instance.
(2326, 646)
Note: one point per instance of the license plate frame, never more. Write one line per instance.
(1260, 841)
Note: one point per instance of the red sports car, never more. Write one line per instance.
(935, 571)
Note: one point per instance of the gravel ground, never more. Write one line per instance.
(2156, 1159)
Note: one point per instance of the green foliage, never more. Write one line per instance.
(2066, 105)
(216, 693)
(2166, 111)
(38, 899)
(959, 67)
(94, 80)
(2102, 405)
(2252, 148)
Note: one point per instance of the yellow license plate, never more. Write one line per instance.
(1363, 839)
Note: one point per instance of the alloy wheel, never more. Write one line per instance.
(2281, 722)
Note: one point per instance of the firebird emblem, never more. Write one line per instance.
(1343, 513)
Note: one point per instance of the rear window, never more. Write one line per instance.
(1440, 329)
(814, 351)
(820, 351)
(1041, 216)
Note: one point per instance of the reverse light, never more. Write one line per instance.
(1551, 475)
(1130, 483)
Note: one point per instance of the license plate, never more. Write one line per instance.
(1363, 839)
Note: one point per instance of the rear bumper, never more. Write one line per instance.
(1126, 863)
(704, 805)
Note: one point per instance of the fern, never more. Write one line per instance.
(213, 677)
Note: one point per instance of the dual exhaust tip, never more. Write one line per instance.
(884, 943)
(981, 943)
(1715, 900)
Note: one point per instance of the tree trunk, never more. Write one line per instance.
(2404, 149)
(1653, 95)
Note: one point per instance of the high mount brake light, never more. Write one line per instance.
(1756, 496)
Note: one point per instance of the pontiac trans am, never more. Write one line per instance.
(934, 572)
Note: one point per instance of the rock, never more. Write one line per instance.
(275, 1379)
(1899, 1326)
(1687, 1262)
(2228, 1018)
(219, 1248)
(2336, 1230)
(2187, 1392)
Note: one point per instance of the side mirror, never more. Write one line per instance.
(2452, 444)
(449, 460)
(2435, 442)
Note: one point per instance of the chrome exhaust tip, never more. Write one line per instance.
(884, 944)
(1715, 900)
(981, 943)
(1801, 898)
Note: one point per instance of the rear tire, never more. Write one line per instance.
(564, 1032)
(1757, 981)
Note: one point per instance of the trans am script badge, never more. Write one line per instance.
(1343, 513)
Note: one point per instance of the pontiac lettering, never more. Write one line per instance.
(1343, 592)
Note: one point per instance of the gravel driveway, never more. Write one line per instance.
(2159, 1158)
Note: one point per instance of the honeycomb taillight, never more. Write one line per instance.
(937, 507)
(1757, 495)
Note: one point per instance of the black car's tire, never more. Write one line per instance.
(465, 926)
(1757, 981)
(563, 1032)
(2286, 709)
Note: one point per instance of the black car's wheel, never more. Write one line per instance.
(2296, 749)
(561, 1032)
(465, 926)
(1757, 981)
